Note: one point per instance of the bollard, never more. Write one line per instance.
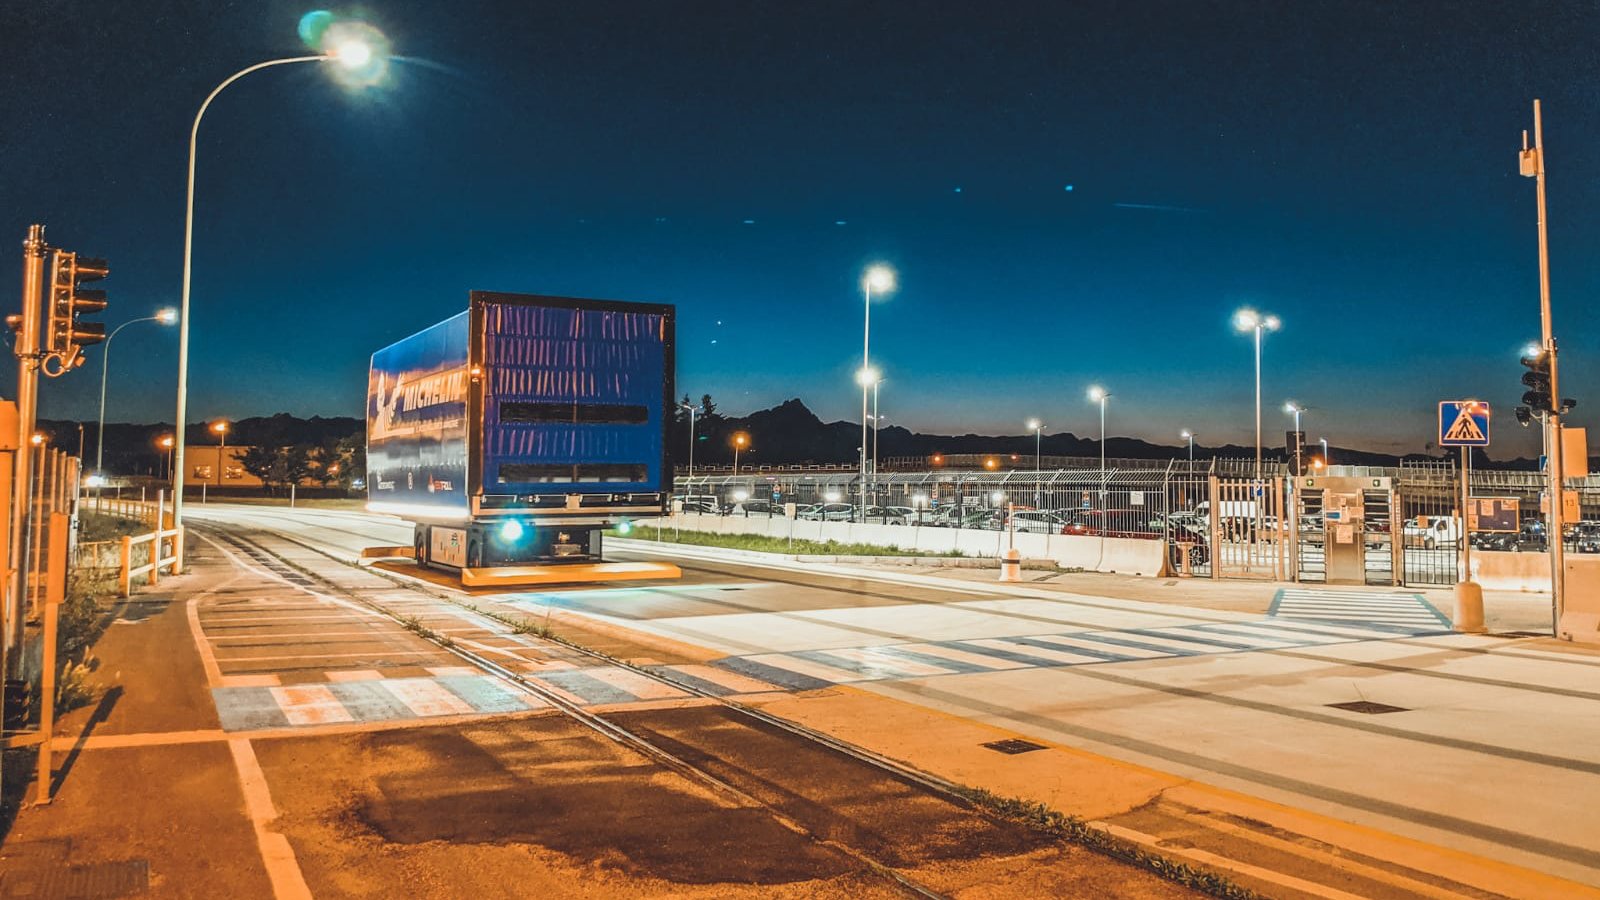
(1183, 559)
(1468, 617)
(1011, 565)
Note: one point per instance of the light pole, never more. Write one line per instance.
(879, 278)
(1037, 427)
(165, 317)
(1189, 436)
(1296, 409)
(166, 445)
(692, 410)
(1098, 394)
(1250, 320)
(221, 429)
(877, 422)
(1325, 461)
(353, 46)
(740, 439)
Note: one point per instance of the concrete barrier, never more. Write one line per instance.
(1123, 555)
(1503, 570)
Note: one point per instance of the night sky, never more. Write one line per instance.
(1072, 193)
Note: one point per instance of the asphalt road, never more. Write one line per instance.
(1490, 745)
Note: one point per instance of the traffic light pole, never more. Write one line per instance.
(28, 361)
(1556, 487)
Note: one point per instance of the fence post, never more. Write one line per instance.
(291, 496)
(124, 579)
(155, 546)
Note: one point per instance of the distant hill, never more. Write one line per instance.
(787, 434)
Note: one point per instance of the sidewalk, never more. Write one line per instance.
(134, 817)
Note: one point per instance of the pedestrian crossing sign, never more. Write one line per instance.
(1463, 423)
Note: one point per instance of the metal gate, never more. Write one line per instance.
(1430, 528)
(1249, 532)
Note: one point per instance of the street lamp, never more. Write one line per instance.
(867, 377)
(878, 278)
(1324, 450)
(1250, 320)
(1037, 427)
(1296, 409)
(877, 422)
(358, 50)
(165, 317)
(221, 430)
(1189, 436)
(740, 441)
(692, 410)
(1098, 394)
(166, 444)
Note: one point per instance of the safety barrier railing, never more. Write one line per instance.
(162, 555)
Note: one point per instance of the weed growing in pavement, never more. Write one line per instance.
(1045, 820)
(768, 544)
(81, 620)
(73, 687)
(415, 626)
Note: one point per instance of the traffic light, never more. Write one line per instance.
(66, 336)
(1537, 379)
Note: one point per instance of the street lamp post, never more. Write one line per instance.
(879, 278)
(1098, 394)
(692, 410)
(166, 445)
(739, 440)
(877, 423)
(352, 53)
(1324, 451)
(1037, 427)
(165, 317)
(1296, 409)
(1250, 320)
(221, 428)
(1189, 436)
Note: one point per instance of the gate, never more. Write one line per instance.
(1430, 531)
(1249, 532)
(1345, 530)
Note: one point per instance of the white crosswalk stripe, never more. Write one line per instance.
(1391, 609)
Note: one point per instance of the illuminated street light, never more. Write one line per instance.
(1188, 435)
(1098, 394)
(360, 53)
(1296, 409)
(1250, 320)
(165, 317)
(740, 441)
(878, 279)
(1037, 427)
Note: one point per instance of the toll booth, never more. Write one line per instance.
(1346, 530)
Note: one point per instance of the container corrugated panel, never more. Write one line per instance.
(574, 397)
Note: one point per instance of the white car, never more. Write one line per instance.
(1037, 521)
(1433, 531)
(830, 512)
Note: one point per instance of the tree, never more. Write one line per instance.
(258, 461)
(331, 465)
(708, 407)
(291, 465)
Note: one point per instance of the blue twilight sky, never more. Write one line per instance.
(1072, 193)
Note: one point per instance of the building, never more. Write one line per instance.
(217, 467)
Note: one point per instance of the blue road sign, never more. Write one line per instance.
(1463, 423)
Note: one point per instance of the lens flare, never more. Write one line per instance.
(313, 25)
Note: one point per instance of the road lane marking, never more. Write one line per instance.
(283, 870)
(641, 686)
(425, 697)
(346, 675)
(310, 704)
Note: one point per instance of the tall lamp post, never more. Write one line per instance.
(352, 46)
(1296, 409)
(165, 317)
(221, 430)
(877, 279)
(1250, 320)
(1098, 394)
(1037, 427)
(166, 446)
(1325, 461)
(877, 423)
(692, 410)
(1189, 436)
(740, 440)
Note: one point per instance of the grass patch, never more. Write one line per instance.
(1043, 819)
(93, 526)
(768, 544)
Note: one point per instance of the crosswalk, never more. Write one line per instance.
(340, 697)
(1297, 618)
(1401, 610)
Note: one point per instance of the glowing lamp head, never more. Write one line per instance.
(741, 496)
(167, 316)
(220, 427)
(741, 440)
(511, 530)
(867, 376)
(1035, 424)
(879, 279)
(998, 497)
(919, 500)
(1292, 407)
(624, 527)
(1246, 320)
(37, 439)
(166, 442)
(991, 463)
(1186, 434)
(1316, 463)
(352, 53)
(95, 480)
(831, 496)
(1098, 394)
(1271, 323)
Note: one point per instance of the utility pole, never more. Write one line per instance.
(1532, 166)
(28, 362)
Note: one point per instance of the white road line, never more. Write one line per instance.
(1060, 656)
(1084, 643)
(283, 870)
(974, 659)
(426, 698)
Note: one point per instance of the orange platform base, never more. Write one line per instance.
(574, 573)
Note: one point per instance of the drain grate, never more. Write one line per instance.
(96, 881)
(1014, 746)
(1368, 707)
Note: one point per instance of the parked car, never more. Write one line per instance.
(1130, 523)
(1432, 532)
(1494, 540)
(891, 515)
(1587, 538)
(961, 517)
(1038, 521)
(830, 512)
(753, 508)
(704, 503)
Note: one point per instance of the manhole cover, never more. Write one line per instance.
(1368, 707)
(1014, 746)
(97, 881)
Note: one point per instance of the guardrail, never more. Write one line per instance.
(158, 558)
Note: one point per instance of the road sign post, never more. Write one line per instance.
(1465, 424)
